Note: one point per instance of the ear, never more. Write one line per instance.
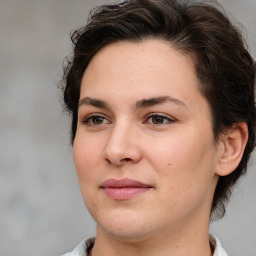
(231, 148)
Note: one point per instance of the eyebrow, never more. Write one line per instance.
(143, 103)
(93, 102)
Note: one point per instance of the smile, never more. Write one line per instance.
(124, 189)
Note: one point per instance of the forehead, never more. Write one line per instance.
(127, 63)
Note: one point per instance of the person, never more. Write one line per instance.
(161, 95)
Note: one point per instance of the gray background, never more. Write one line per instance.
(41, 210)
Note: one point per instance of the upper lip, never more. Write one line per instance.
(124, 183)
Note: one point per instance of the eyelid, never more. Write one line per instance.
(168, 119)
(87, 117)
(154, 114)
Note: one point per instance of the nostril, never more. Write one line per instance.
(125, 160)
(120, 162)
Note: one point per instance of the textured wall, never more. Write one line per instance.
(41, 210)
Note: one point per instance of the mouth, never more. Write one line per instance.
(124, 189)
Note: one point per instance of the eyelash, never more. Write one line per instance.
(167, 119)
(89, 120)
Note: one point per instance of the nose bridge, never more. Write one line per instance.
(121, 145)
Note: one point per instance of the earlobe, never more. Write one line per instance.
(231, 145)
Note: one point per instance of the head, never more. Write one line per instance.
(223, 66)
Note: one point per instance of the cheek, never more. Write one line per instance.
(182, 162)
(86, 157)
(184, 174)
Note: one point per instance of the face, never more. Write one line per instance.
(144, 149)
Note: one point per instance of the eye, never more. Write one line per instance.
(158, 119)
(95, 120)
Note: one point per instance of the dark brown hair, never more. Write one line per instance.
(223, 65)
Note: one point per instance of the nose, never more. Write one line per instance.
(122, 146)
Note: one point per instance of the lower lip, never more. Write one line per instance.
(124, 193)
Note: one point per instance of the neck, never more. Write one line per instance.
(164, 243)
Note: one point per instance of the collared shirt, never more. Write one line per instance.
(85, 246)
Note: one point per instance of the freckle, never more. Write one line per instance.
(169, 164)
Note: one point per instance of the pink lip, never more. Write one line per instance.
(124, 188)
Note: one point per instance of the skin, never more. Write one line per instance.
(173, 151)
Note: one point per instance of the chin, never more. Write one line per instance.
(125, 228)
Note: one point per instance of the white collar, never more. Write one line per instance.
(218, 249)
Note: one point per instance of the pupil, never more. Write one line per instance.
(97, 120)
(157, 120)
